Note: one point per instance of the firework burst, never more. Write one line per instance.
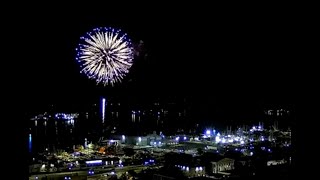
(105, 55)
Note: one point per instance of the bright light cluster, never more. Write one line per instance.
(66, 116)
(256, 128)
(185, 168)
(105, 54)
(63, 116)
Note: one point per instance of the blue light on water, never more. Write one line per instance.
(103, 106)
(30, 143)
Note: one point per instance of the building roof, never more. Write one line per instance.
(225, 160)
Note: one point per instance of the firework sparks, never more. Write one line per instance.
(105, 55)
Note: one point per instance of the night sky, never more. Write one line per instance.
(232, 61)
(226, 62)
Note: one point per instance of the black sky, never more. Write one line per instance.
(232, 59)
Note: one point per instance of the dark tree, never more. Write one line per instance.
(128, 151)
(200, 151)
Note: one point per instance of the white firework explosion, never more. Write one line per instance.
(105, 54)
